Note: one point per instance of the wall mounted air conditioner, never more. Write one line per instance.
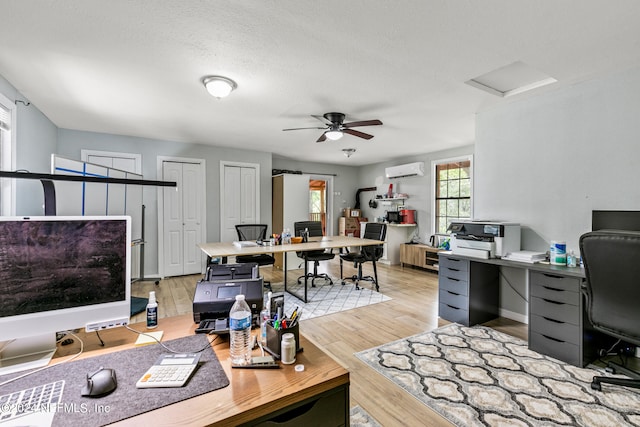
(410, 169)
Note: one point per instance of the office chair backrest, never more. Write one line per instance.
(375, 231)
(314, 227)
(251, 231)
(612, 268)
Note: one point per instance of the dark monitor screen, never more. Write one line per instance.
(615, 220)
(228, 291)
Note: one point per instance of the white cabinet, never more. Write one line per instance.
(397, 234)
(290, 203)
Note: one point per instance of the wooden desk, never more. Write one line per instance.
(253, 396)
(226, 249)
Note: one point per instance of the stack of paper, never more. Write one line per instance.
(148, 338)
(526, 256)
(245, 243)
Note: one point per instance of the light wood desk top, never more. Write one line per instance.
(252, 393)
(222, 249)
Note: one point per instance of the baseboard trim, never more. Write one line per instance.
(518, 317)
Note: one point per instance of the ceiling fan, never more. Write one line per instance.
(335, 127)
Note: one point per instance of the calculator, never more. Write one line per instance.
(170, 370)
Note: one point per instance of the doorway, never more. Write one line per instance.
(320, 204)
(239, 197)
(181, 216)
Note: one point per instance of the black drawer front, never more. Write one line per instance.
(555, 281)
(555, 348)
(454, 263)
(453, 314)
(557, 311)
(452, 284)
(560, 330)
(551, 293)
(453, 299)
(329, 410)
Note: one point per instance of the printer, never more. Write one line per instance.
(484, 239)
(213, 299)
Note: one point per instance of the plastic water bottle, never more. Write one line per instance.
(240, 332)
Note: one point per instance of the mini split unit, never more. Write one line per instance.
(410, 169)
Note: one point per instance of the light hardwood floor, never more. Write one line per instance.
(413, 309)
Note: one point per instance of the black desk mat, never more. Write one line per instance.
(127, 400)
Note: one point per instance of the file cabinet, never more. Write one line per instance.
(468, 291)
(555, 317)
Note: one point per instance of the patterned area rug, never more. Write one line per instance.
(479, 376)
(329, 299)
(361, 418)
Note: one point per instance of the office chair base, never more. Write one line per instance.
(313, 277)
(633, 381)
(356, 280)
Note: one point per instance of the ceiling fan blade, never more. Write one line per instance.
(322, 138)
(304, 128)
(357, 133)
(362, 123)
(322, 119)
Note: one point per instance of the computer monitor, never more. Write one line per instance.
(58, 274)
(615, 220)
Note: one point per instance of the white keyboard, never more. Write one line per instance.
(170, 370)
(31, 406)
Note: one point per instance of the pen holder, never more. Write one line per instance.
(274, 338)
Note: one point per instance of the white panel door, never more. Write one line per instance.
(182, 218)
(248, 196)
(191, 212)
(232, 196)
(173, 222)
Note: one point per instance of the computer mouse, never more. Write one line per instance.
(100, 383)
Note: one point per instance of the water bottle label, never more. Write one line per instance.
(239, 324)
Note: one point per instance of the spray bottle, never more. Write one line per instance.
(152, 311)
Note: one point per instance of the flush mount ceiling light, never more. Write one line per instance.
(219, 86)
(348, 151)
(511, 79)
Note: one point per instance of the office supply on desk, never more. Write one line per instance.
(484, 239)
(32, 406)
(146, 338)
(100, 382)
(612, 267)
(530, 257)
(169, 370)
(244, 244)
(213, 300)
(127, 400)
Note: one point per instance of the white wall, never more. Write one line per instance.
(419, 188)
(547, 162)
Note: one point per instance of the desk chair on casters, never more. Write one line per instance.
(612, 290)
(315, 230)
(254, 232)
(375, 231)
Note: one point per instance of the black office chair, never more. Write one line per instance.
(612, 289)
(315, 230)
(375, 231)
(254, 232)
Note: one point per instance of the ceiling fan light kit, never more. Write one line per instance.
(219, 86)
(335, 128)
(333, 135)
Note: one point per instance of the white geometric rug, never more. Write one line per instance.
(328, 299)
(479, 376)
(361, 418)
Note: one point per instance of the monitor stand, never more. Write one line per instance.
(26, 353)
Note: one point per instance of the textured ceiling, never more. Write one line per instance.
(135, 67)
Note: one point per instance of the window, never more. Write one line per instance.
(7, 185)
(452, 192)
